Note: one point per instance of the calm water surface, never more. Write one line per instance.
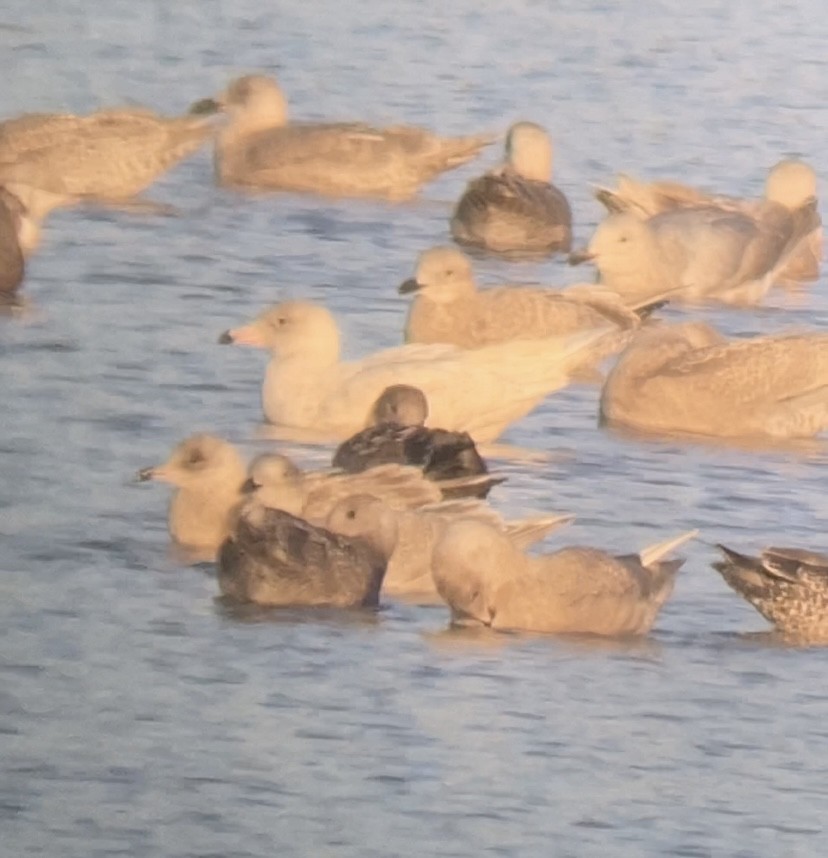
(138, 716)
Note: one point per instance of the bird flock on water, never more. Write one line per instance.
(402, 509)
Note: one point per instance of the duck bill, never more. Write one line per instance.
(409, 286)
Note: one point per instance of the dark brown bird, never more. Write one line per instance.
(274, 558)
(397, 436)
(515, 207)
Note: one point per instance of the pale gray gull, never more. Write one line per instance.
(789, 202)
(485, 579)
(480, 391)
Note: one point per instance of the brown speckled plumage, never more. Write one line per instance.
(788, 586)
(111, 154)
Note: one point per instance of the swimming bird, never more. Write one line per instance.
(397, 435)
(260, 148)
(276, 559)
(108, 155)
(208, 474)
(697, 254)
(487, 580)
(789, 204)
(277, 482)
(12, 263)
(515, 207)
(688, 379)
(788, 586)
(479, 391)
(409, 535)
(449, 308)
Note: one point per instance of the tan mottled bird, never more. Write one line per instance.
(449, 308)
(109, 155)
(688, 379)
(259, 148)
(208, 474)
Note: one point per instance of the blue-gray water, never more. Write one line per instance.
(138, 717)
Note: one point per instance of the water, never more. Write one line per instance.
(138, 717)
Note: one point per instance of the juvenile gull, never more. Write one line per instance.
(478, 391)
(259, 148)
(515, 207)
(274, 558)
(788, 586)
(111, 154)
(449, 308)
(397, 435)
(699, 254)
(689, 379)
(789, 202)
(278, 483)
(409, 536)
(208, 474)
(486, 579)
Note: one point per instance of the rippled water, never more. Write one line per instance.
(140, 718)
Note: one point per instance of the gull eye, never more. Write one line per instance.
(195, 457)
